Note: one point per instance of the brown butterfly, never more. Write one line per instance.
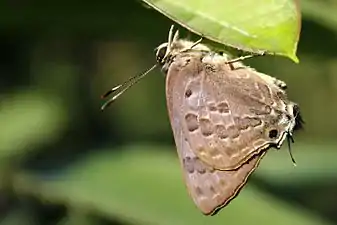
(224, 117)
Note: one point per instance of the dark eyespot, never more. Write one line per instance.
(273, 133)
(188, 93)
(161, 54)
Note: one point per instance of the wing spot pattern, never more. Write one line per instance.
(221, 131)
(206, 127)
(188, 164)
(191, 122)
(233, 131)
(212, 189)
(223, 107)
(193, 164)
(246, 122)
(199, 191)
(212, 107)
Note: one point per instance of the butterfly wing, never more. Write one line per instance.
(226, 115)
(209, 188)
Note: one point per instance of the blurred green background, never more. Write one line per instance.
(65, 162)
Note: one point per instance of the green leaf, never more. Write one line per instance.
(259, 25)
(144, 185)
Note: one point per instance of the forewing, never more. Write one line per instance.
(226, 115)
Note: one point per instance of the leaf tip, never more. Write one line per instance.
(294, 58)
(292, 55)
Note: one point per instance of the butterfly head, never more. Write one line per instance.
(166, 52)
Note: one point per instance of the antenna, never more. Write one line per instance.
(121, 88)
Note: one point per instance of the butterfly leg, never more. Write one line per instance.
(193, 45)
(241, 58)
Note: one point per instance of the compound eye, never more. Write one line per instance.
(161, 54)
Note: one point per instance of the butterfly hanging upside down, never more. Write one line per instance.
(224, 117)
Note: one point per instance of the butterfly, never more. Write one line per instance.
(224, 116)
